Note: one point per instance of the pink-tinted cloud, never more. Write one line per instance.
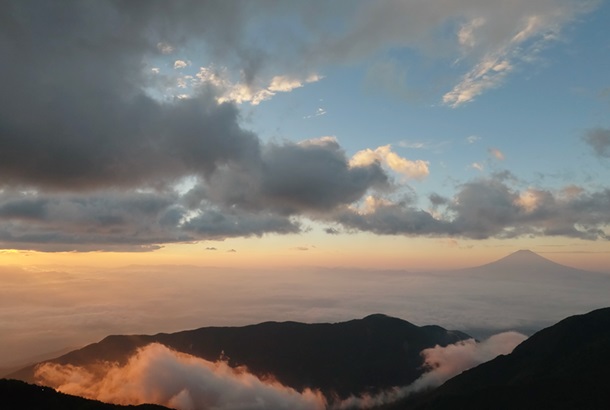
(156, 374)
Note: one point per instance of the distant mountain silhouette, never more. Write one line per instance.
(525, 258)
(524, 292)
(528, 263)
(564, 366)
(18, 395)
(373, 353)
(34, 359)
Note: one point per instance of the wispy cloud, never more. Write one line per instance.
(426, 145)
(477, 166)
(535, 31)
(319, 112)
(241, 91)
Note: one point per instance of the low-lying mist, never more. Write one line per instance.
(43, 311)
(156, 374)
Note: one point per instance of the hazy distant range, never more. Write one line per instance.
(44, 311)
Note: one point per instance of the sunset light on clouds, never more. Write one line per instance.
(287, 137)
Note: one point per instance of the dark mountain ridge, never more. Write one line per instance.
(345, 358)
(564, 366)
(16, 394)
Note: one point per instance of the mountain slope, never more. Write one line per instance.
(564, 366)
(15, 394)
(527, 264)
(345, 358)
(522, 291)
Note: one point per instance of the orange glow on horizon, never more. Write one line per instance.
(362, 251)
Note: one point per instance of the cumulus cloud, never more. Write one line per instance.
(156, 374)
(392, 218)
(316, 176)
(91, 154)
(260, 196)
(99, 159)
(292, 178)
(178, 64)
(417, 169)
(599, 140)
(490, 207)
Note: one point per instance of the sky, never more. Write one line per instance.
(272, 136)
(327, 133)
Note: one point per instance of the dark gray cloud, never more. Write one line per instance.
(599, 140)
(394, 219)
(491, 207)
(315, 176)
(89, 154)
(289, 178)
(78, 130)
(73, 113)
(436, 199)
(220, 224)
(112, 220)
(261, 195)
(484, 208)
(115, 220)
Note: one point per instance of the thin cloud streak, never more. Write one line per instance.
(534, 32)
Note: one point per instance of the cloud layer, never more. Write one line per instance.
(93, 154)
(156, 374)
(491, 207)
